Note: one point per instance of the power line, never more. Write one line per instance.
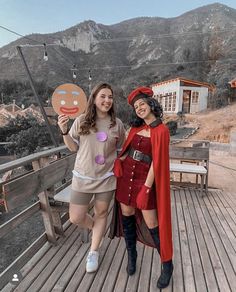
(156, 64)
(130, 38)
(39, 43)
(107, 67)
(18, 34)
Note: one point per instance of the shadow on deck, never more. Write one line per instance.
(204, 254)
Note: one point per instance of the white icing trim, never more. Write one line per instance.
(77, 174)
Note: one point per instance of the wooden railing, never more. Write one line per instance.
(51, 173)
(50, 170)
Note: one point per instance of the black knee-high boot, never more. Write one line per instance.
(155, 236)
(167, 267)
(129, 227)
(166, 273)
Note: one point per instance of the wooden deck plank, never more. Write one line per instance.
(76, 270)
(224, 215)
(230, 209)
(102, 273)
(220, 237)
(111, 278)
(204, 254)
(231, 197)
(62, 265)
(195, 258)
(56, 260)
(89, 278)
(225, 202)
(132, 283)
(225, 232)
(30, 278)
(186, 258)
(177, 258)
(215, 260)
(122, 276)
(22, 260)
(80, 273)
(71, 269)
(156, 270)
(28, 267)
(202, 243)
(145, 273)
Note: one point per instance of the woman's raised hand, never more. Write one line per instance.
(63, 122)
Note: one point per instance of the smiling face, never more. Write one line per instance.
(69, 99)
(142, 109)
(104, 100)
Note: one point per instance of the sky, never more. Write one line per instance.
(47, 16)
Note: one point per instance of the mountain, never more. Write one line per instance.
(138, 51)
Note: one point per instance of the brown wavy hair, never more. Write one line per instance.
(89, 121)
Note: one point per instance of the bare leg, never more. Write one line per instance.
(79, 216)
(150, 217)
(100, 221)
(127, 210)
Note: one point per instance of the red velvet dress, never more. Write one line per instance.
(135, 174)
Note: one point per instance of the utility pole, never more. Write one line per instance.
(37, 97)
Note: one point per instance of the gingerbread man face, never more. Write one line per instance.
(69, 99)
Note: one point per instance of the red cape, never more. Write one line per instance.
(160, 154)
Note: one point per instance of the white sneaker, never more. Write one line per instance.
(92, 261)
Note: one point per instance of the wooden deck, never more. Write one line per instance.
(204, 236)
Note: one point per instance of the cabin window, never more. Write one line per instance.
(173, 101)
(165, 103)
(169, 102)
(195, 97)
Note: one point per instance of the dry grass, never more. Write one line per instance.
(213, 125)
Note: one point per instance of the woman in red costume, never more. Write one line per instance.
(143, 185)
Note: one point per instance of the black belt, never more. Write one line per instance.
(139, 156)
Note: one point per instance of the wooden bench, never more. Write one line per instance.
(192, 159)
(60, 204)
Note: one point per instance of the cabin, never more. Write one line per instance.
(182, 95)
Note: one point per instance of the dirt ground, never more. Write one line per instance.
(222, 171)
(213, 125)
(216, 127)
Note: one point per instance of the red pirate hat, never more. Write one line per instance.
(139, 92)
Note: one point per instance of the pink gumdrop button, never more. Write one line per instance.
(99, 159)
(101, 136)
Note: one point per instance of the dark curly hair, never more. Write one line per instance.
(156, 109)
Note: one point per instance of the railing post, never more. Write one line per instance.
(44, 203)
